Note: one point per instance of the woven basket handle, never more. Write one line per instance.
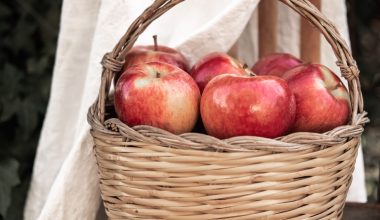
(113, 62)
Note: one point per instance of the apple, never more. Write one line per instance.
(235, 105)
(159, 95)
(154, 53)
(276, 64)
(215, 64)
(323, 102)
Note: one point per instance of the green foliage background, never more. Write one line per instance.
(28, 36)
(364, 19)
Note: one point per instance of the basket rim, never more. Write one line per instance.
(112, 62)
(298, 141)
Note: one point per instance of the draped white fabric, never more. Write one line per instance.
(65, 180)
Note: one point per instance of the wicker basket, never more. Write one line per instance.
(149, 173)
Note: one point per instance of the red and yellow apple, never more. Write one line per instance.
(235, 105)
(215, 64)
(159, 95)
(154, 53)
(276, 64)
(323, 102)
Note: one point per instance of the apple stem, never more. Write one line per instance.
(248, 71)
(155, 42)
(158, 74)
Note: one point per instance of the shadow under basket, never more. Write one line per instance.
(149, 173)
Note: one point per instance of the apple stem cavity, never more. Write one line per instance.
(155, 43)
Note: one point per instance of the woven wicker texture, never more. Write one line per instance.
(148, 173)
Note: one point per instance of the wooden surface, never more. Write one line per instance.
(310, 39)
(358, 211)
(267, 27)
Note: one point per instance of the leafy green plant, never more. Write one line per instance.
(364, 19)
(28, 30)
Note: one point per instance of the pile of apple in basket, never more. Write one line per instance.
(278, 95)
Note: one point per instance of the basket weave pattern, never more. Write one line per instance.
(148, 173)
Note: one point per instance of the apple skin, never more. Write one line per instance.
(145, 54)
(276, 64)
(151, 53)
(323, 102)
(159, 95)
(215, 64)
(234, 105)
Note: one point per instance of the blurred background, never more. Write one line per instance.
(28, 37)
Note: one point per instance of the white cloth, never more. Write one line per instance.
(65, 180)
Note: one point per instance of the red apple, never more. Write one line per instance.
(234, 105)
(215, 64)
(157, 94)
(322, 100)
(275, 64)
(154, 53)
(159, 53)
